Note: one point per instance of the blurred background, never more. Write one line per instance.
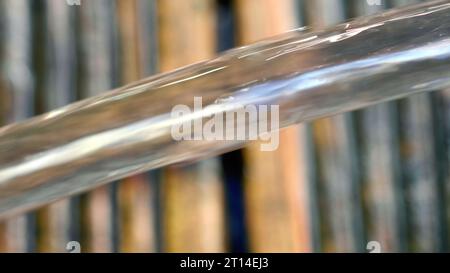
(379, 174)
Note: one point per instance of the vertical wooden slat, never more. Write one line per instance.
(342, 222)
(148, 54)
(147, 26)
(427, 223)
(192, 195)
(58, 89)
(379, 153)
(441, 121)
(17, 87)
(275, 183)
(419, 161)
(99, 73)
(137, 234)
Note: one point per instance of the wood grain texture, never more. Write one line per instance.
(275, 182)
(99, 72)
(340, 204)
(135, 213)
(17, 90)
(58, 86)
(192, 195)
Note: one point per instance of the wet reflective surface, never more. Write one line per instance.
(309, 75)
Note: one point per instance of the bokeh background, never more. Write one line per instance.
(378, 174)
